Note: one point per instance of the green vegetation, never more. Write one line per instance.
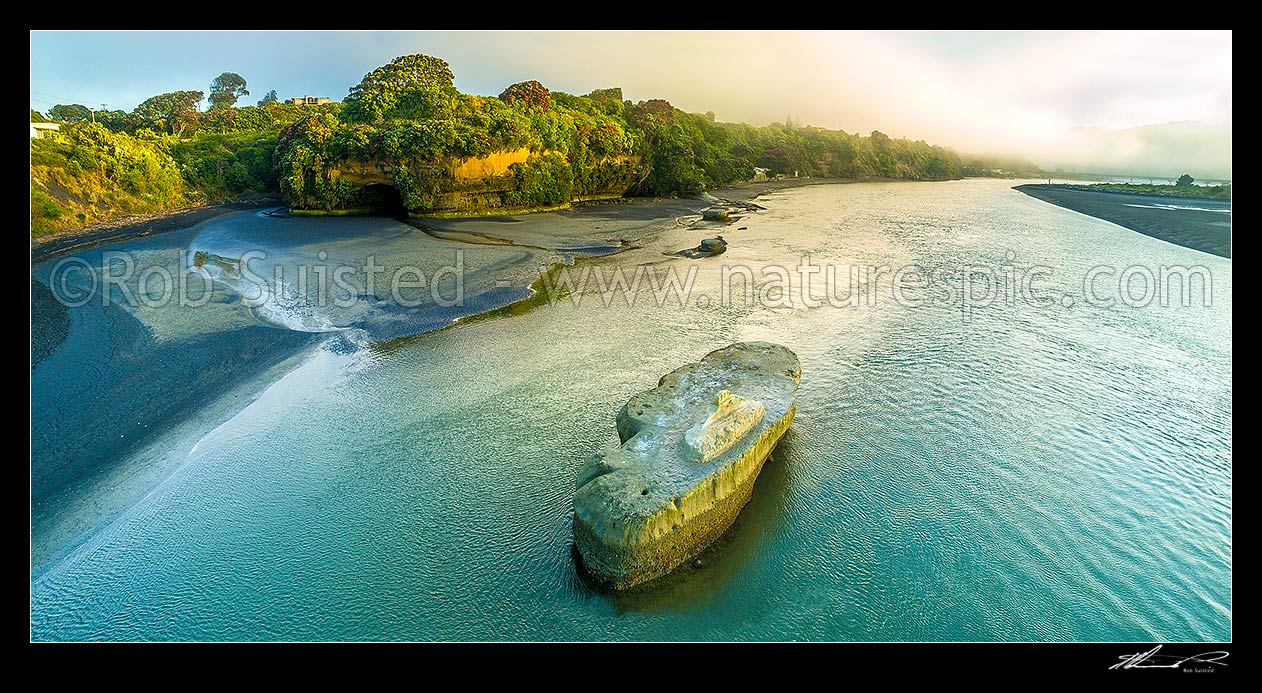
(176, 110)
(221, 165)
(408, 117)
(93, 172)
(226, 89)
(73, 113)
(547, 180)
(1184, 186)
(412, 87)
(407, 125)
(90, 174)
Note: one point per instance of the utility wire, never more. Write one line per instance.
(43, 96)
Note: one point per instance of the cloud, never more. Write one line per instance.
(1092, 101)
(1166, 150)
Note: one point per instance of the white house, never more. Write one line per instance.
(41, 131)
(309, 100)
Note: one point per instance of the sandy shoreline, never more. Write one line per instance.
(1199, 223)
(71, 241)
(67, 242)
(590, 228)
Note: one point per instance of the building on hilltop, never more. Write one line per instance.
(43, 131)
(309, 100)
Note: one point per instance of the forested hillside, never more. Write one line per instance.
(406, 126)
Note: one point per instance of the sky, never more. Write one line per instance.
(1136, 103)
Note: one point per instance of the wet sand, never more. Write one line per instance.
(596, 228)
(1199, 223)
(50, 322)
(592, 228)
(71, 241)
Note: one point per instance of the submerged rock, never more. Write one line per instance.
(691, 450)
(201, 258)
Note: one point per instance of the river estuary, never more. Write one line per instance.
(1040, 465)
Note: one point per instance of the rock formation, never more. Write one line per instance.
(691, 450)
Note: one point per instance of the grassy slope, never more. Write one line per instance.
(88, 174)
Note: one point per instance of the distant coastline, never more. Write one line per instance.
(1191, 191)
(1198, 222)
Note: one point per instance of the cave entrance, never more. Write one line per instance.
(384, 201)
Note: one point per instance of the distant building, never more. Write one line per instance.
(43, 131)
(309, 100)
(760, 173)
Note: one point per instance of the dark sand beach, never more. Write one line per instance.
(53, 320)
(70, 241)
(78, 240)
(1200, 223)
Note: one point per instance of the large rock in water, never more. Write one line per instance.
(691, 450)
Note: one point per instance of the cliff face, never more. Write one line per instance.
(497, 183)
(474, 169)
(490, 166)
(363, 173)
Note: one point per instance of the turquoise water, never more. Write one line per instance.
(1008, 472)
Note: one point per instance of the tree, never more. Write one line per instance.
(269, 98)
(608, 101)
(70, 113)
(117, 120)
(37, 117)
(174, 110)
(657, 111)
(610, 94)
(883, 152)
(530, 94)
(1185, 181)
(226, 89)
(412, 86)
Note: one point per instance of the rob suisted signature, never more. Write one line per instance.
(1152, 660)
